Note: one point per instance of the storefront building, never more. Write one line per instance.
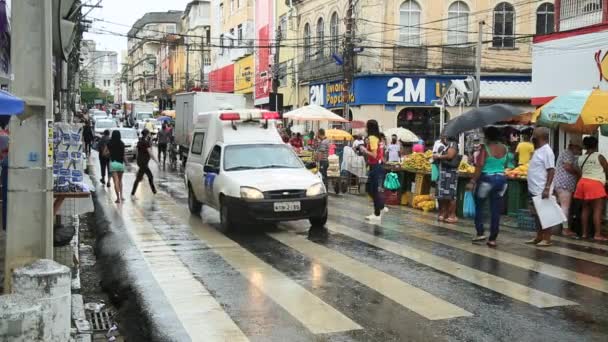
(412, 101)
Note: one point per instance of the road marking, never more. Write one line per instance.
(512, 230)
(316, 315)
(483, 279)
(598, 259)
(509, 258)
(200, 314)
(414, 299)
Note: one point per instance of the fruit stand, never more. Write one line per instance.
(517, 194)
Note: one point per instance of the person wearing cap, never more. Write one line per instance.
(566, 176)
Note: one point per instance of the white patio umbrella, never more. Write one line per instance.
(313, 113)
(403, 134)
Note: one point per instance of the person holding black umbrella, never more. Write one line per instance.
(490, 182)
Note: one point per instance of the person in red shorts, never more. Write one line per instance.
(591, 187)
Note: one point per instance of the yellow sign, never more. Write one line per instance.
(243, 75)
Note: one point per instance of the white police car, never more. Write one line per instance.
(239, 165)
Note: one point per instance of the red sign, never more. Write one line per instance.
(263, 38)
(222, 80)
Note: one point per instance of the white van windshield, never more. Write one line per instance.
(261, 156)
(144, 116)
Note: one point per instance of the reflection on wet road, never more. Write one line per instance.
(410, 279)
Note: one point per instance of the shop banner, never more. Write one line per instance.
(567, 61)
(243, 75)
(222, 80)
(264, 38)
(382, 90)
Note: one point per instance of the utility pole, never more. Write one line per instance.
(276, 70)
(478, 60)
(30, 177)
(187, 67)
(348, 58)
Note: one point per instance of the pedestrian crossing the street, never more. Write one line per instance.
(403, 280)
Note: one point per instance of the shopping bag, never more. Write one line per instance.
(469, 205)
(434, 172)
(391, 182)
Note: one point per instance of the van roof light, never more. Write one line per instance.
(230, 116)
(271, 116)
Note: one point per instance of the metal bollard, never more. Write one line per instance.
(49, 283)
(20, 319)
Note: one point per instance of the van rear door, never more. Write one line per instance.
(194, 165)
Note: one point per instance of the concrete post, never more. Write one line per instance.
(20, 319)
(30, 178)
(49, 283)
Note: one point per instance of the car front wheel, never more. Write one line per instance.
(226, 222)
(320, 221)
(193, 204)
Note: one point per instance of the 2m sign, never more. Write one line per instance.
(404, 90)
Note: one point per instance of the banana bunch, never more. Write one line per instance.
(418, 161)
(418, 200)
(427, 206)
(466, 167)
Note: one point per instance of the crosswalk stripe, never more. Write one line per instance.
(483, 279)
(567, 240)
(419, 301)
(509, 258)
(598, 259)
(316, 315)
(201, 315)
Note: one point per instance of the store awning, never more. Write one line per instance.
(520, 91)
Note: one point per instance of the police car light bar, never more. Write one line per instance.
(271, 116)
(230, 116)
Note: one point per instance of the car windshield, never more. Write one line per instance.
(106, 124)
(144, 116)
(261, 156)
(128, 134)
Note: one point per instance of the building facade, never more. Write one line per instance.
(232, 52)
(408, 52)
(196, 31)
(98, 68)
(574, 57)
(145, 40)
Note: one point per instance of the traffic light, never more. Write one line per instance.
(64, 27)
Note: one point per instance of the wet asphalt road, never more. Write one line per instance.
(409, 279)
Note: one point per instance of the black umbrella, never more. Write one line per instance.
(481, 117)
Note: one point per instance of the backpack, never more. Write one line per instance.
(103, 148)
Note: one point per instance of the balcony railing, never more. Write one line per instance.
(580, 13)
(410, 58)
(317, 68)
(458, 58)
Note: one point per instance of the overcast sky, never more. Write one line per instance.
(124, 12)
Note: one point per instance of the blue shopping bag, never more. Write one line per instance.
(469, 205)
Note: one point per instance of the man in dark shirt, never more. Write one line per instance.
(104, 160)
(143, 158)
(322, 154)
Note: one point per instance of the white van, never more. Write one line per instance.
(239, 165)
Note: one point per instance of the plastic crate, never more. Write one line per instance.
(525, 220)
(392, 197)
(423, 184)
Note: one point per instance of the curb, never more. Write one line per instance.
(146, 314)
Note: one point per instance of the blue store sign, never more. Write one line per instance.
(382, 90)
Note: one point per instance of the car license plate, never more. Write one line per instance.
(286, 206)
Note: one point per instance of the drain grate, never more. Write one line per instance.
(100, 321)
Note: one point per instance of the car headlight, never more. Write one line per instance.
(315, 190)
(251, 193)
